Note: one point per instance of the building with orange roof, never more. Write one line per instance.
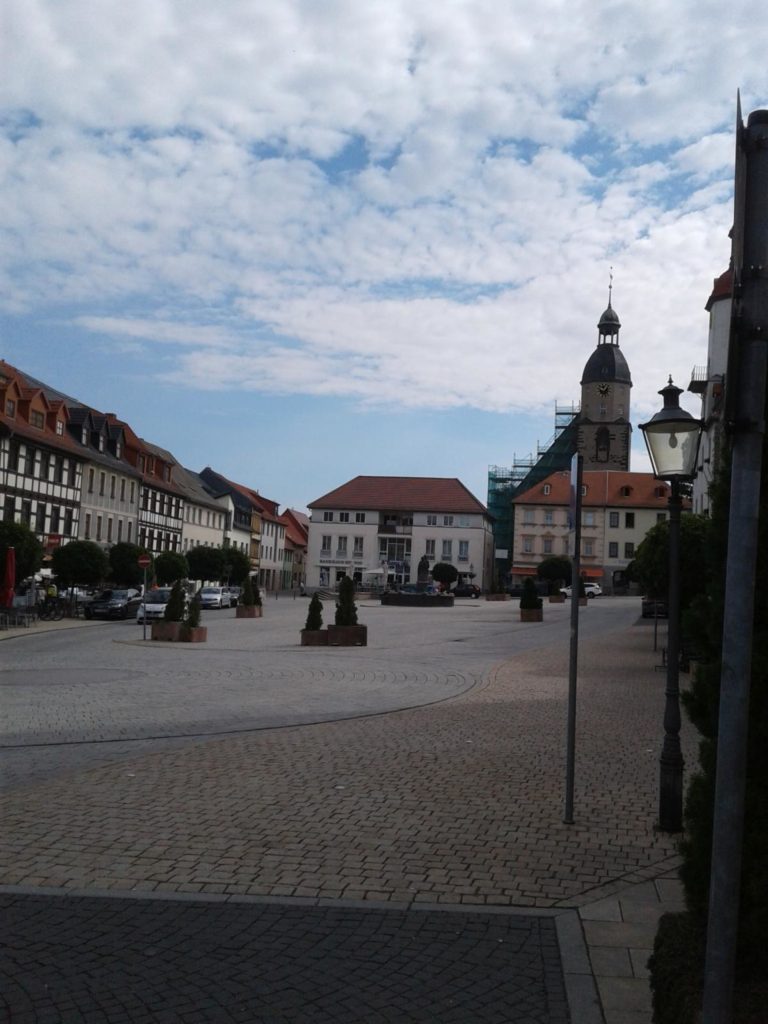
(618, 509)
(378, 528)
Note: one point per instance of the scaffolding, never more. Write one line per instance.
(504, 482)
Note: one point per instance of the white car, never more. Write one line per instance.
(215, 597)
(153, 606)
(590, 589)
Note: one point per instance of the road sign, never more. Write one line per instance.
(144, 561)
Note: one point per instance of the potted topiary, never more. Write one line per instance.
(555, 595)
(250, 606)
(346, 632)
(173, 616)
(313, 634)
(191, 631)
(531, 605)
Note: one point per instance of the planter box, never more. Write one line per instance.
(497, 597)
(531, 614)
(195, 635)
(166, 630)
(244, 611)
(557, 598)
(314, 638)
(347, 636)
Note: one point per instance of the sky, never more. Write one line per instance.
(302, 241)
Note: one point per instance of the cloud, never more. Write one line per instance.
(412, 203)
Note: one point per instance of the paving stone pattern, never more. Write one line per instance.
(110, 961)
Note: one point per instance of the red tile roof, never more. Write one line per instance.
(402, 493)
(604, 488)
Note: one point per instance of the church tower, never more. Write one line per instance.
(603, 427)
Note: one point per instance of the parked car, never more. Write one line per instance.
(466, 590)
(590, 589)
(654, 609)
(234, 595)
(214, 597)
(113, 604)
(153, 607)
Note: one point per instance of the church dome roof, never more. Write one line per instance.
(607, 363)
(609, 322)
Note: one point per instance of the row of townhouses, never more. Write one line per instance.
(71, 472)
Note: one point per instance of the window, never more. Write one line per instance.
(327, 518)
(112, 486)
(430, 550)
(58, 469)
(447, 520)
(359, 547)
(59, 427)
(613, 519)
(343, 517)
(549, 517)
(583, 490)
(68, 517)
(90, 481)
(13, 456)
(118, 450)
(133, 490)
(109, 530)
(359, 517)
(84, 435)
(629, 520)
(9, 510)
(589, 519)
(589, 548)
(102, 482)
(45, 465)
(626, 491)
(10, 407)
(629, 549)
(463, 550)
(119, 530)
(55, 519)
(547, 546)
(101, 442)
(72, 473)
(122, 489)
(431, 520)
(547, 488)
(98, 528)
(528, 545)
(529, 516)
(447, 550)
(37, 419)
(341, 546)
(87, 531)
(613, 549)
(40, 518)
(326, 548)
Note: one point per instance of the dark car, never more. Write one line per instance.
(113, 604)
(466, 590)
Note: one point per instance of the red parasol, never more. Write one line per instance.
(9, 579)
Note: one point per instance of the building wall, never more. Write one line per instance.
(110, 505)
(40, 487)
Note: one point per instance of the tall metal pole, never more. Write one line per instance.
(671, 761)
(746, 385)
(144, 616)
(575, 528)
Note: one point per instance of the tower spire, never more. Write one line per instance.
(610, 286)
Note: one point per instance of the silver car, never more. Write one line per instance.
(153, 605)
(214, 597)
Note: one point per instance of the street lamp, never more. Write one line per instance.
(672, 437)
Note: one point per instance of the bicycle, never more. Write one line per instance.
(52, 609)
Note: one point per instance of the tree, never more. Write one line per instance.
(124, 562)
(205, 563)
(81, 562)
(29, 550)
(315, 613)
(555, 570)
(176, 607)
(650, 567)
(445, 573)
(238, 564)
(251, 597)
(346, 609)
(169, 567)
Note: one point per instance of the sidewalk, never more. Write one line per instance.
(457, 805)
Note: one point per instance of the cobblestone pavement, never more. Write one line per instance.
(114, 961)
(457, 803)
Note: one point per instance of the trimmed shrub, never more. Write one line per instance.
(314, 613)
(346, 609)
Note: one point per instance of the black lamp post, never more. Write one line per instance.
(672, 437)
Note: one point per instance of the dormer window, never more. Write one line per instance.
(10, 407)
(626, 491)
(59, 427)
(84, 436)
(37, 419)
(118, 450)
(101, 442)
(547, 489)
